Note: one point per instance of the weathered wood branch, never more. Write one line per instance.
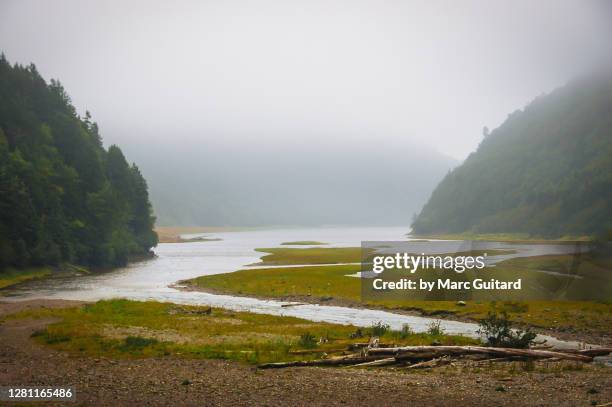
(445, 360)
(431, 355)
(343, 360)
(412, 351)
(379, 362)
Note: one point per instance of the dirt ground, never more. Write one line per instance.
(184, 382)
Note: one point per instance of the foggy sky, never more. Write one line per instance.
(204, 73)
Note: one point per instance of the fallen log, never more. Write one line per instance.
(502, 359)
(588, 352)
(445, 360)
(412, 351)
(358, 345)
(373, 356)
(379, 362)
(343, 360)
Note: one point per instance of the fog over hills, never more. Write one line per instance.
(300, 185)
(290, 112)
(547, 170)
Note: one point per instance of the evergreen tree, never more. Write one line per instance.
(546, 171)
(63, 197)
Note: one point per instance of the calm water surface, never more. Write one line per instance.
(152, 279)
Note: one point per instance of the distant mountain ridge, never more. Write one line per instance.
(547, 171)
(301, 185)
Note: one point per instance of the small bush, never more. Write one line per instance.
(38, 332)
(357, 334)
(496, 329)
(50, 337)
(307, 340)
(138, 342)
(56, 338)
(405, 332)
(435, 328)
(515, 306)
(379, 328)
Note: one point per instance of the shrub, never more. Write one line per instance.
(496, 329)
(435, 328)
(379, 328)
(405, 332)
(515, 306)
(357, 334)
(137, 342)
(307, 340)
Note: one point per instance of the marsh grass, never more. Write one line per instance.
(303, 243)
(13, 276)
(313, 283)
(504, 237)
(132, 329)
(279, 256)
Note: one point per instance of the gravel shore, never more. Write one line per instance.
(185, 382)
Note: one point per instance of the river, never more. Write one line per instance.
(152, 279)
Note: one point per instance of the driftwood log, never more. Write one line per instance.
(408, 352)
(431, 356)
(444, 360)
(343, 360)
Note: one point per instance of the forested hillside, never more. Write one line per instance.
(63, 197)
(547, 171)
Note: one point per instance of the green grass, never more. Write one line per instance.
(11, 277)
(502, 237)
(285, 256)
(322, 283)
(132, 329)
(315, 281)
(198, 239)
(303, 243)
(279, 256)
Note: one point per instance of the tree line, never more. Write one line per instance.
(546, 171)
(63, 196)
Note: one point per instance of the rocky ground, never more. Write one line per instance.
(175, 381)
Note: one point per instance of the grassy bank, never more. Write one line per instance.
(11, 277)
(313, 255)
(503, 237)
(329, 283)
(303, 243)
(172, 234)
(285, 256)
(131, 329)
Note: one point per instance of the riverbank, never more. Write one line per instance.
(180, 379)
(172, 234)
(504, 237)
(12, 277)
(329, 285)
(451, 311)
(132, 329)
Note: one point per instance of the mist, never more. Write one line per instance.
(319, 105)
